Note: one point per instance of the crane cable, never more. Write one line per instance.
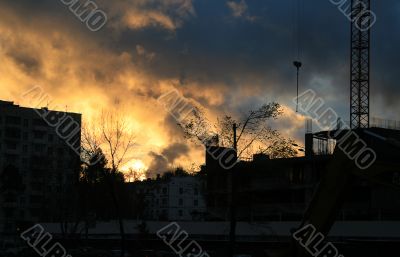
(297, 15)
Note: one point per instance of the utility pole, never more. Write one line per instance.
(298, 65)
(232, 233)
(234, 137)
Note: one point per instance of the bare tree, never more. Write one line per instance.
(277, 146)
(197, 127)
(117, 138)
(112, 135)
(254, 134)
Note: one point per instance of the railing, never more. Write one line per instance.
(382, 123)
(375, 122)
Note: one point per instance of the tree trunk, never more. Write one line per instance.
(118, 212)
(232, 232)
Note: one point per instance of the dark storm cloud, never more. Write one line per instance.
(28, 63)
(170, 125)
(174, 151)
(162, 162)
(216, 46)
(158, 164)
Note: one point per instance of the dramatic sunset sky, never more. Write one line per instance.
(228, 56)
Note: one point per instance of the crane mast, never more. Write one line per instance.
(360, 63)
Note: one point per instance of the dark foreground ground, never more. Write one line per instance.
(157, 248)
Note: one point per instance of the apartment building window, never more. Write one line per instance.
(39, 148)
(36, 186)
(38, 173)
(39, 134)
(39, 123)
(180, 202)
(35, 198)
(24, 148)
(164, 201)
(26, 123)
(13, 120)
(10, 198)
(196, 191)
(13, 133)
(11, 145)
(196, 203)
(25, 136)
(164, 190)
(9, 213)
(11, 158)
(35, 212)
(25, 162)
(181, 190)
(180, 213)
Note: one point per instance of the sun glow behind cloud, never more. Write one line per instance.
(81, 75)
(134, 170)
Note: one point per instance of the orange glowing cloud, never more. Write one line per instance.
(86, 72)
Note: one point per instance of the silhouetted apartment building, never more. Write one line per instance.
(281, 189)
(39, 161)
(176, 198)
(266, 189)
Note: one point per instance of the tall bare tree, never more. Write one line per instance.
(112, 135)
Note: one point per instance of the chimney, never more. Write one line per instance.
(309, 139)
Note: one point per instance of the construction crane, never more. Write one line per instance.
(336, 180)
(360, 63)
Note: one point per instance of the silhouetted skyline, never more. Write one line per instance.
(227, 57)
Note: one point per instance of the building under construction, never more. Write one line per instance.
(283, 189)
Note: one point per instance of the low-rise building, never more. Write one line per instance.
(176, 198)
